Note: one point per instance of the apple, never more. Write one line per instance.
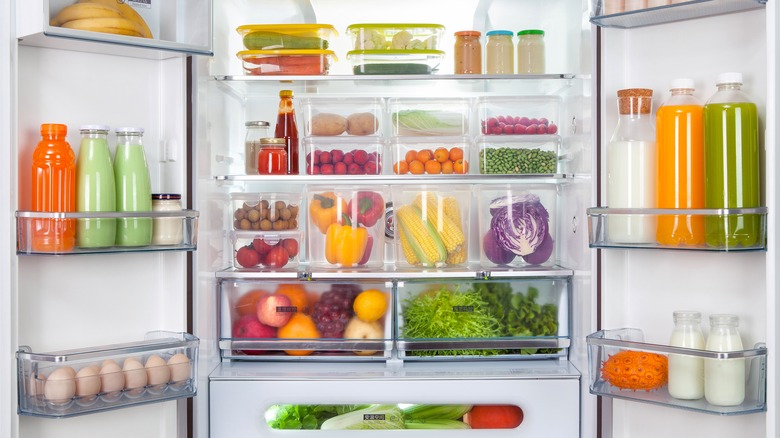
(340, 168)
(358, 329)
(275, 310)
(337, 155)
(325, 157)
(361, 156)
(249, 327)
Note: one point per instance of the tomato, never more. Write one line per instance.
(247, 257)
(277, 257)
(261, 246)
(494, 417)
(291, 245)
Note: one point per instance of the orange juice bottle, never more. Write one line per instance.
(53, 190)
(679, 137)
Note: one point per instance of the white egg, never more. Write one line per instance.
(179, 365)
(111, 377)
(60, 387)
(157, 371)
(88, 381)
(135, 374)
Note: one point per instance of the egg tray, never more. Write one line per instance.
(62, 384)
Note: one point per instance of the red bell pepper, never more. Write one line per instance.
(367, 208)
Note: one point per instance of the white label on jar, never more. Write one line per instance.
(631, 175)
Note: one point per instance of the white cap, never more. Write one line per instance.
(729, 78)
(94, 128)
(682, 83)
(129, 129)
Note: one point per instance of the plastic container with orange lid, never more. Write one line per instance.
(287, 36)
(286, 62)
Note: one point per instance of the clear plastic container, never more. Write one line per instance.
(429, 155)
(395, 62)
(287, 36)
(286, 62)
(330, 117)
(343, 155)
(273, 211)
(526, 155)
(528, 115)
(395, 36)
(272, 250)
(435, 117)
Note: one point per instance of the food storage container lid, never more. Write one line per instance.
(406, 26)
(318, 30)
(531, 32)
(166, 196)
(468, 33)
(682, 83)
(129, 129)
(390, 53)
(729, 78)
(94, 128)
(499, 32)
(288, 52)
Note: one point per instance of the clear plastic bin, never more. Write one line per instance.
(68, 383)
(286, 62)
(343, 156)
(336, 117)
(395, 62)
(395, 36)
(447, 155)
(518, 155)
(287, 36)
(444, 117)
(530, 115)
(272, 250)
(272, 211)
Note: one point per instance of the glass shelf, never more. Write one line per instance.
(605, 343)
(77, 382)
(27, 221)
(636, 228)
(671, 13)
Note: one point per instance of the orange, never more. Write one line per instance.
(300, 326)
(410, 156)
(424, 155)
(370, 305)
(416, 167)
(447, 167)
(297, 295)
(433, 167)
(247, 303)
(461, 166)
(401, 168)
(441, 155)
(456, 154)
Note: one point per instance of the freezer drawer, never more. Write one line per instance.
(546, 391)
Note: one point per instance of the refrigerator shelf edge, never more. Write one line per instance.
(390, 272)
(406, 180)
(673, 12)
(605, 343)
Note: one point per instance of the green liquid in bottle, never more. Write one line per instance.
(133, 193)
(96, 191)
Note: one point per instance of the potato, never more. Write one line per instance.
(328, 124)
(362, 124)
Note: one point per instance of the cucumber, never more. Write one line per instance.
(264, 40)
(391, 69)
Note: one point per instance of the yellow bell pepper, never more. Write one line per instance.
(345, 245)
(326, 209)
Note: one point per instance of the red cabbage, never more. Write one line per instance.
(520, 223)
(495, 252)
(542, 253)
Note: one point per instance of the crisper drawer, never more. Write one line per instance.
(247, 399)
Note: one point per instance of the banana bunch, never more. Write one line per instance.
(108, 16)
(431, 231)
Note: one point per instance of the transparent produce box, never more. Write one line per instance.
(431, 226)
(272, 250)
(271, 211)
(429, 155)
(518, 155)
(305, 320)
(506, 319)
(346, 227)
(343, 155)
(517, 225)
(341, 117)
(395, 62)
(445, 117)
(627, 345)
(287, 36)
(75, 382)
(286, 62)
(528, 115)
(395, 36)
(731, 229)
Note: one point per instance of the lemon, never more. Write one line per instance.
(370, 305)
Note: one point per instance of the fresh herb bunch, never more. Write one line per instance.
(307, 417)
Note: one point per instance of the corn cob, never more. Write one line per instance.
(450, 231)
(421, 236)
(457, 257)
(411, 257)
(452, 209)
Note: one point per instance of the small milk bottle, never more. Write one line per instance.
(724, 379)
(686, 373)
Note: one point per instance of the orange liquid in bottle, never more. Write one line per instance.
(53, 190)
(680, 173)
(287, 129)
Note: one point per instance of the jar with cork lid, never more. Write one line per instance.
(631, 167)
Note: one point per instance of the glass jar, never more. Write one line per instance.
(686, 373)
(530, 51)
(255, 130)
(95, 188)
(133, 188)
(272, 159)
(500, 56)
(724, 379)
(166, 230)
(468, 52)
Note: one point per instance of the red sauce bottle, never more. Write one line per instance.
(288, 130)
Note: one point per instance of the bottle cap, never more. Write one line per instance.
(635, 100)
(475, 33)
(499, 32)
(729, 78)
(687, 315)
(94, 128)
(531, 32)
(256, 123)
(54, 129)
(130, 129)
(285, 93)
(682, 83)
(724, 319)
(166, 196)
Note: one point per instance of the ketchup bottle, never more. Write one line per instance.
(287, 129)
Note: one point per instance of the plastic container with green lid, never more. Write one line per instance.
(286, 62)
(394, 62)
(396, 36)
(287, 36)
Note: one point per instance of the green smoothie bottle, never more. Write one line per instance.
(133, 188)
(731, 165)
(95, 190)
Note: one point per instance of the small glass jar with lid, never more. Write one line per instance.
(272, 159)
(255, 130)
(166, 230)
(530, 51)
(468, 52)
(500, 52)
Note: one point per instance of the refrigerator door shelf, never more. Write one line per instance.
(76, 382)
(669, 13)
(605, 343)
(635, 228)
(28, 221)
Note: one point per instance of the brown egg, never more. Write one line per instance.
(60, 387)
(157, 371)
(111, 377)
(179, 365)
(135, 374)
(88, 381)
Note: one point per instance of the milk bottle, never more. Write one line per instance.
(724, 379)
(686, 373)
